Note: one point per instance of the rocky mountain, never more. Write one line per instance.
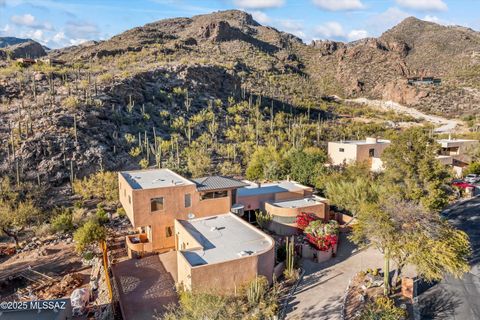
(10, 41)
(219, 82)
(21, 48)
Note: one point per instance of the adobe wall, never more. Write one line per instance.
(228, 276)
(139, 209)
(348, 155)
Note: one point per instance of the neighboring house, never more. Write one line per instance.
(369, 150)
(455, 153)
(283, 200)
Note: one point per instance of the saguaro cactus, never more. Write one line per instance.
(290, 249)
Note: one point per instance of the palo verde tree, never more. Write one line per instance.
(350, 188)
(406, 233)
(413, 172)
(17, 210)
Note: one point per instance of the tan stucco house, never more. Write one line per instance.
(369, 150)
(196, 224)
(283, 200)
(454, 153)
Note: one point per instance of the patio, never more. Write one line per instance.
(145, 287)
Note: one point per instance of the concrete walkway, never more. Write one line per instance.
(320, 294)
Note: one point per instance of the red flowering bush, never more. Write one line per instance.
(322, 236)
(304, 219)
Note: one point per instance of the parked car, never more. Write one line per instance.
(472, 178)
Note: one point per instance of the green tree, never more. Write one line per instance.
(265, 163)
(473, 168)
(16, 216)
(405, 232)
(413, 172)
(101, 185)
(89, 234)
(305, 165)
(198, 160)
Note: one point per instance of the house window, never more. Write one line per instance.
(129, 200)
(188, 200)
(215, 195)
(156, 204)
(341, 150)
(168, 232)
(124, 192)
(371, 153)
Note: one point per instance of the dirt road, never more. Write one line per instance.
(443, 125)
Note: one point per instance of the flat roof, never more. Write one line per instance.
(223, 237)
(361, 142)
(253, 189)
(152, 179)
(455, 140)
(300, 203)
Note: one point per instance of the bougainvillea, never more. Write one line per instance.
(304, 219)
(322, 236)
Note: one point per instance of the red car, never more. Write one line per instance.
(462, 184)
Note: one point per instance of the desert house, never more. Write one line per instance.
(369, 150)
(283, 201)
(453, 152)
(196, 224)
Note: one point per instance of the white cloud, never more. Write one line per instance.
(59, 37)
(28, 20)
(259, 4)
(423, 5)
(357, 34)
(330, 29)
(260, 17)
(76, 42)
(81, 30)
(379, 23)
(339, 5)
(291, 26)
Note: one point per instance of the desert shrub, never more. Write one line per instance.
(71, 102)
(263, 218)
(88, 235)
(101, 215)
(101, 185)
(382, 308)
(472, 168)
(105, 78)
(143, 163)
(121, 212)
(43, 230)
(63, 222)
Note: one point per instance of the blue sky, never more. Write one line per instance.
(58, 23)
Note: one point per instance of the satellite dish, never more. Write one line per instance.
(191, 216)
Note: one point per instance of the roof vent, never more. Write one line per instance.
(245, 253)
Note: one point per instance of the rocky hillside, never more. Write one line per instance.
(198, 94)
(15, 48)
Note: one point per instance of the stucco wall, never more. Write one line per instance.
(140, 215)
(184, 275)
(228, 276)
(348, 155)
(185, 240)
